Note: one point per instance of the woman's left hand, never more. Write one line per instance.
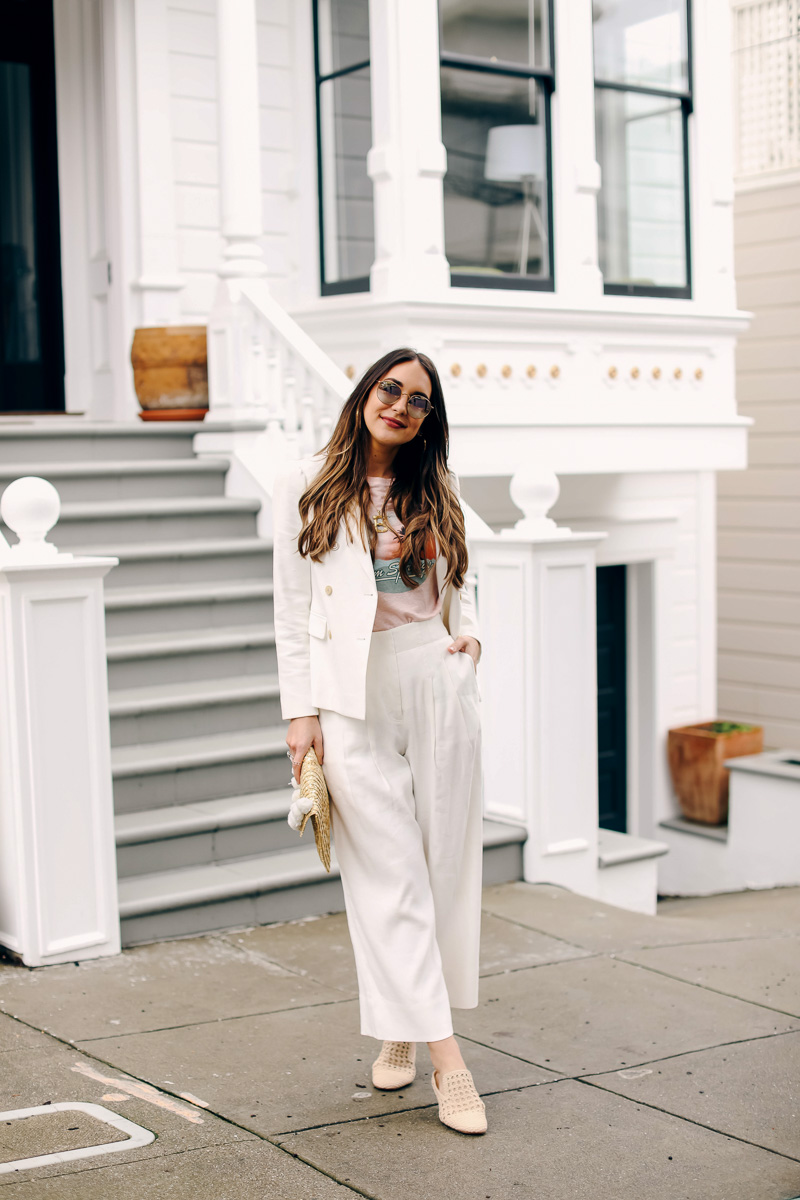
(466, 645)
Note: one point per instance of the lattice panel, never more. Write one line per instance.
(766, 59)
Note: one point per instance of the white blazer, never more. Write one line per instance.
(324, 611)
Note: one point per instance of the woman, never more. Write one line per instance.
(377, 649)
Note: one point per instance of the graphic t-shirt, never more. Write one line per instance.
(398, 603)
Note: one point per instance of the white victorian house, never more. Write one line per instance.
(539, 194)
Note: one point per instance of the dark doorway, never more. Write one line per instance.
(31, 327)
(611, 699)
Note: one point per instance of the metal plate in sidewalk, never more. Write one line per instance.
(24, 1138)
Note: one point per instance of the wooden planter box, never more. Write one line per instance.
(696, 754)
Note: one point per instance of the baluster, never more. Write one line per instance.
(290, 423)
(325, 407)
(271, 389)
(275, 382)
(307, 410)
(258, 371)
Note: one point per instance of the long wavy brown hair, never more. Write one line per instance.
(421, 491)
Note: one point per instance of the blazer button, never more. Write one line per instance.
(328, 589)
(330, 634)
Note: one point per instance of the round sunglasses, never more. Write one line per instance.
(418, 405)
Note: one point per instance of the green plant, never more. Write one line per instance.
(726, 727)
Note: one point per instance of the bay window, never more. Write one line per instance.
(642, 64)
(344, 136)
(496, 83)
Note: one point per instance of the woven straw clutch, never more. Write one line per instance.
(313, 786)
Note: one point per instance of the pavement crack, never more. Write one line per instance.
(258, 956)
(215, 1021)
(646, 1062)
(536, 929)
(351, 1187)
(668, 1112)
(706, 987)
(529, 1062)
(553, 962)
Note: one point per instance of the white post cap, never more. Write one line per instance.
(535, 490)
(31, 506)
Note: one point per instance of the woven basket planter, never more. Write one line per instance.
(170, 372)
(696, 754)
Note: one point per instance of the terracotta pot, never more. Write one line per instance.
(696, 754)
(170, 372)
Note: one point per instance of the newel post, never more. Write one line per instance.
(58, 879)
(536, 600)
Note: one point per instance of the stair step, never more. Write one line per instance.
(146, 610)
(192, 834)
(127, 479)
(615, 848)
(179, 655)
(193, 708)
(502, 851)
(188, 770)
(252, 891)
(203, 559)
(171, 518)
(64, 439)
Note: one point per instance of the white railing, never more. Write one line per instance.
(263, 365)
(766, 72)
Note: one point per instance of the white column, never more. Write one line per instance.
(58, 880)
(159, 280)
(536, 600)
(232, 338)
(711, 157)
(576, 174)
(407, 161)
(239, 141)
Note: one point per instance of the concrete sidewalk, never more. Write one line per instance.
(620, 1056)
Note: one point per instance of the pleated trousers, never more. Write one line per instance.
(406, 820)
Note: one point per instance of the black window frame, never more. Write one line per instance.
(545, 77)
(345, 286)
(686, 99)
(29, 39)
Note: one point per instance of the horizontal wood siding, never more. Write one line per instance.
(193, 82)
(759, 509)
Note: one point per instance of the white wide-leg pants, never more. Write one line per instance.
(406, 819)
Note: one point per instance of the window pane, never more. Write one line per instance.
(642, 42)
(343, 32)
(513, 31)
(19, 312)
(495, 189)
(641, 203)
(346, 132)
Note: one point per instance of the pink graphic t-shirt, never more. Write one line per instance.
(398, 603)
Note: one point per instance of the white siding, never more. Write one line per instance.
(759, 509)
(193, 80)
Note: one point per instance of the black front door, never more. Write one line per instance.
(31, 328)
(611, 699)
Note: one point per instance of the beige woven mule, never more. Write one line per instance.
(460, 1106)
(395, 1066)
